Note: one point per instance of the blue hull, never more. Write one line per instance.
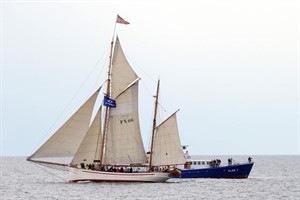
(230, 171)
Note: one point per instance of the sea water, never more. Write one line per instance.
(272, 177)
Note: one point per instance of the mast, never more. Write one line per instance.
(107, 107)
(154, 125)
(108, 88)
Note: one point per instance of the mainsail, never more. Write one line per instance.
(124, 143)
(66, 140)
(89, 149)
(167, 146)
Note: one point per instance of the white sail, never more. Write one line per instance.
(167, 147)
(90, 148)
(122, 75)
(66, 140)
(124, 143)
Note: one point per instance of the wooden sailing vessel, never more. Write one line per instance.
(114, 142)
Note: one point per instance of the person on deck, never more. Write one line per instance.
(229, 161)
(249, 159)
(82, 165)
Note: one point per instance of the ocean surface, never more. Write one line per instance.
(272, 177)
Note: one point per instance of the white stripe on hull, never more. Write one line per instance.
(76, 174)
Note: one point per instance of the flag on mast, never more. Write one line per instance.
(109, 102)
(120, 20)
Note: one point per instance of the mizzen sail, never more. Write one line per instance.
(167, 147)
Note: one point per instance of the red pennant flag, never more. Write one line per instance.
(121, 20)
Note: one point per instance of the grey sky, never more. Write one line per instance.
(231, 66)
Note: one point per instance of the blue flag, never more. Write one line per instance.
(109, 102)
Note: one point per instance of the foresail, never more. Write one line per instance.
(167, 147)
(122, 75)
(124, 143)
(90, 148)
(66, 140)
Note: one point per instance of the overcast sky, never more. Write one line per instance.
(231, 66)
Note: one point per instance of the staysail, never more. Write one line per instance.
(66, 140)
(89, 149)
(167, 146)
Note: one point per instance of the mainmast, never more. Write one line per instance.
(119, 20)
(154, 125)
(108, 95)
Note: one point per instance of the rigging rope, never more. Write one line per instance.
(102, 68)
(141, 69)
(41, 166)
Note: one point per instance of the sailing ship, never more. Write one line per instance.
(111, 149)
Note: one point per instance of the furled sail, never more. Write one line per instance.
(124, 143)
(66, 140)
(89, 149)
(122, 75)
(167, 147)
